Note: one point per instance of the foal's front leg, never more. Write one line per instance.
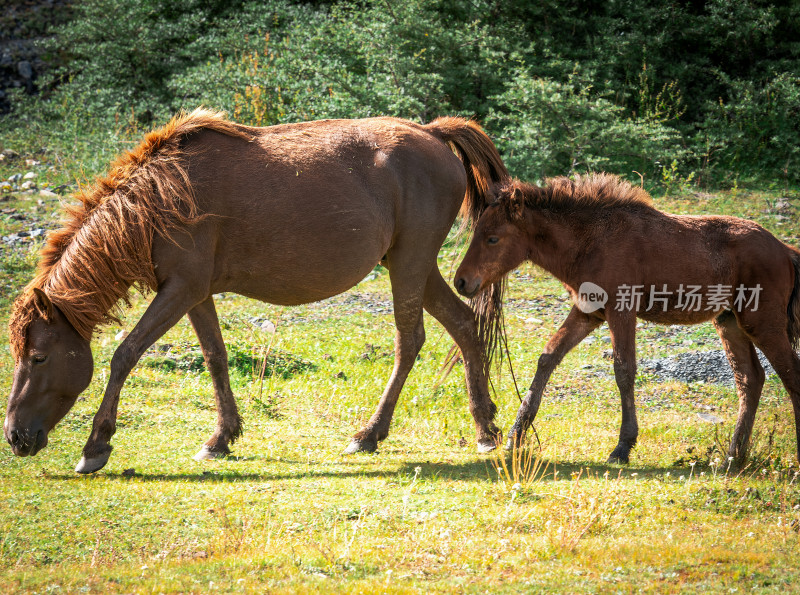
(575, 329)
(172, 301)
(623, 335)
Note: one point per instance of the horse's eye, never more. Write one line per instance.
(493, 240)
(39, 358)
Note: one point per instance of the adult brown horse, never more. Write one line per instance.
(620, 259)
(288, 215)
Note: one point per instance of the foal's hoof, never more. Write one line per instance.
(92, 464)
(206, 454)
(619, 458)
(361, 446)
(485, 446)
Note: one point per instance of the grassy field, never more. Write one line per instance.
(287, 512)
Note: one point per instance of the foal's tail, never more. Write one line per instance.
(793, 309)
(485, 170)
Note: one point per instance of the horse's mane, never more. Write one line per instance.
(105, 244)
(587, 192)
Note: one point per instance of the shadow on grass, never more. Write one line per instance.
(477, 470)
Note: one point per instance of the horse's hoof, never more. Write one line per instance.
(92, 464)
(206, 454)
(485, 446)
(361, 446)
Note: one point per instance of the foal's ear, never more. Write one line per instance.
(516, 204)
(43, 303)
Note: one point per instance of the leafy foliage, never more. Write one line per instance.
(620, 85)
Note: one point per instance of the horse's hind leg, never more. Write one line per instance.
(623, 335)
(229, 424)
(408, 275)
(408, 341)
(748, 375)
(459, 320)
(575, 329)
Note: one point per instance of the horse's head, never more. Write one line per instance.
(498, 245)
(53, 365)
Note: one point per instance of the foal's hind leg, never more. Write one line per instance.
(459, 320)
(408, 284)
(229, 424)
(623, 334)
(575, 329)
(784, 360)
(749, 377)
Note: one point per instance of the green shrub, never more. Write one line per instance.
(548, 128)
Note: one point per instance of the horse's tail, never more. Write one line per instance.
(485, 170)
(793, 309)
(481, 160)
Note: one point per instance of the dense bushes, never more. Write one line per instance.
(709, 86)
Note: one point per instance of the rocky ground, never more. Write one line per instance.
(696, 366)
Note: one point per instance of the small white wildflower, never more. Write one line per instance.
(516, 487)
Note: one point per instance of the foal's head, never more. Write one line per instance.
(52, 366)
(498, 245)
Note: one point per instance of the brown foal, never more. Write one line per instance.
(620, 258)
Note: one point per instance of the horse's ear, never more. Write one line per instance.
(43, 303)
(516, 204)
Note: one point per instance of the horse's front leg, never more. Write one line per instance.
(229, 424)
(575, 329)
(171, 302)
(623, 335)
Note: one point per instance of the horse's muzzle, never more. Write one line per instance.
(26, 442)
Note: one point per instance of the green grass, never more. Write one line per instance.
(287, 512)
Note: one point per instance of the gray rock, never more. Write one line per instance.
(25, 69)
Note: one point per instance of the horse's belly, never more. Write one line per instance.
(311, 264)
(312, 283)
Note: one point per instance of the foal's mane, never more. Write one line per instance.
(592, 191)
(105, 244)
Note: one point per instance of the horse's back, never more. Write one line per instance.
(305, 211)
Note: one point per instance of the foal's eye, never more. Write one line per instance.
(493, 240)
(39, 359)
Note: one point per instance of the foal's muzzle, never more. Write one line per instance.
(467, 288)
